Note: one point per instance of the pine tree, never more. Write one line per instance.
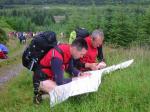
(122, 29)
(108, 24)
(146, 28)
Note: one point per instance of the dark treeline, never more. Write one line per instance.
(122, 24)
(72, 2)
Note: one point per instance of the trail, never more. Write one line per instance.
(11, 70)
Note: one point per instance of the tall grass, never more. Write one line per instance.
(125, 90)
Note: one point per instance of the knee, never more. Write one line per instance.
(47, 85)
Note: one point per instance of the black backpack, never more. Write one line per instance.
(82, 33)
(38, 47)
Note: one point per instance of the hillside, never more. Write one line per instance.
(121, 91)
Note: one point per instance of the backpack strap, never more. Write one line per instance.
(53, 54)
(59, 50)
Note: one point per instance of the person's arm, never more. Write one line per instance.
(100, 56)
(73, 70)
(56, 66)
(78, 64)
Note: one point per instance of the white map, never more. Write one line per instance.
(83, 85)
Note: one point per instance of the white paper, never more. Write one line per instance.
(82, 85)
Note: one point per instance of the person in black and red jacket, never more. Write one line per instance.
(46, 79)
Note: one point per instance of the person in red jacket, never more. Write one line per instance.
(54, 63)
(89, 61)
(3, 51)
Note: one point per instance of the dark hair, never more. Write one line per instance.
(80, 44)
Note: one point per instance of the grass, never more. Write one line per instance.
(126, 90)
(14, 54)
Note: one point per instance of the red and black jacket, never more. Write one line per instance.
(58, 64)
(91, 56)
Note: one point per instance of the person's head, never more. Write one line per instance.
(78, 48)
(97, 38)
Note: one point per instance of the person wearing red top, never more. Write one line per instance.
(53, 65)
(3, 51)
(89, 61)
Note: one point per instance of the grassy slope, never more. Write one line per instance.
(14, 55)
(12, 44)
(122, 91)
(5, 26)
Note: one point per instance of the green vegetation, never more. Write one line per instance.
(124, 90)
(14, 55)
(3, 36)
(122, 24)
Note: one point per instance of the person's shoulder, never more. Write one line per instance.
(88, 39)
(64, 45)
(57, 55)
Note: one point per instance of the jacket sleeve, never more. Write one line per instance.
(56, 66)
(100, 56)
(78, 64)
(72, 69)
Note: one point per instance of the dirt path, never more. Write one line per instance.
(9, 72)
(12, 69)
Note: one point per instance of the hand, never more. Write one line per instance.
(82, 75)
(101, 65)
(85, 74)
(47, 85)
(92, 66)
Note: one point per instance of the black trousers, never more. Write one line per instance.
(38, 76)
